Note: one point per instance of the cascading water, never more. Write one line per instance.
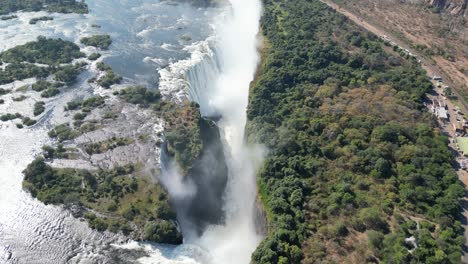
(147, 35)
(220, 84)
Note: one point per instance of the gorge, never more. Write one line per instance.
(209, 131)
(217, 192)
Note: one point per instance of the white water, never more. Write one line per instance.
(219, 81)
(31, 232)
(220, 84)
(237, 239)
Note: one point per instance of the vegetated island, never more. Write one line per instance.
(4, 18)
(40, 59)
(63, 6)
(115, 188)
(37, 19)
(357, 170)
(98, 41)
(50, 59)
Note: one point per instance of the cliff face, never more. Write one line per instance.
(194, 142)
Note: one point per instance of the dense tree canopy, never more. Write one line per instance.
(124, 203)
(39, 59)
(98, 41)
(353, 154)
(44, 51)
(59, 6)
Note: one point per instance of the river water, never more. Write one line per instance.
(159, 44)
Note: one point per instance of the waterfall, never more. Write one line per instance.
(217, 76)
(201, 81)
(220, 84)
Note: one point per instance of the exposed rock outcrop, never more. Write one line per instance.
(453, 7)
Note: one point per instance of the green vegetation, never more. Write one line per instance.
(162, 231)
(43, 50)
(94, 56)
(3, 91)
(63, 132)
(39, 108)
(4, 18)
(23, 88)
(68, 73)
(60, 152)
(28, 121)
(184, 136)
(20, 71)
(126, 204)
(86, 105)
(62, 6)
(353, 155)
(79, 116)
(98, 41)
(103, 67)
(463, 143)
(19, 98)
(42, 85)
(183, 128)
(106, 145)
(51, 52)
(50, 92)
(140, 96)
(8, 117)
(37, 19)
(89, 126)
(109, 79)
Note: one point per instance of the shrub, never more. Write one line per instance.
(98, 41)
(94, 56)
(39, 108)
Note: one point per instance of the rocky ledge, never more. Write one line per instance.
(104, 168)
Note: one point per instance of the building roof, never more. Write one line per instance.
(442, 112)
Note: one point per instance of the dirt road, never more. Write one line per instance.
(431, 69)
(437, 94)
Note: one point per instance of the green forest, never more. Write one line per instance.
(59, 6)
(356, 164)
(130, 205)
(22, 61)
(98, 41)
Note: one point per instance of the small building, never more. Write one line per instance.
(442, 104)
(441, 113)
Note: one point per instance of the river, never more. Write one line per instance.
(207, 54)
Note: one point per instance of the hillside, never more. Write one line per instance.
(434, 30)
(357, 170)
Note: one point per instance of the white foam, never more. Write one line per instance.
(219, 82)
(173, 84)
